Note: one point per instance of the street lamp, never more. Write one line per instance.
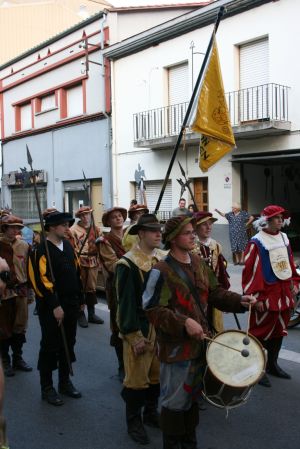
(87, 61)
(192, 46)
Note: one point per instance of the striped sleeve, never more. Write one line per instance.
(252, 278)
(39, 278)
(152, 292)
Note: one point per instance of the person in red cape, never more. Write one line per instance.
(270, 275)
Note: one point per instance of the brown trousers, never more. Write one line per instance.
(89, 278)
(13, 316)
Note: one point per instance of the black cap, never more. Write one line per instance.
(57, 218)
(147, 222)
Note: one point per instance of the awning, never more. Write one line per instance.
(266, 158)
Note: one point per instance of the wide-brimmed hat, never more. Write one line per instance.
(203, 216)
(173, 227)
(106, 214)
(146, 222)
(137, 208)
(273, 210)
(4, 212)
(83, 210)
(57, 218)
(49, 210)
(12, 220)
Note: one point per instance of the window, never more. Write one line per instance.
(178, 84)
(25, 117)
(48, 102)
(254, 63)
(24, 203)
(254, 79)
(178, 93)
(74, 101)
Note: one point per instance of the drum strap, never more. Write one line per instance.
(184, 277)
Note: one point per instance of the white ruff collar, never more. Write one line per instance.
(207, 242)
(270, 241)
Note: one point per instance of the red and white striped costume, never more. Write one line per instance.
(262, 279)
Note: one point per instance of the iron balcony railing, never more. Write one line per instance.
(164, 215)
(260, 103)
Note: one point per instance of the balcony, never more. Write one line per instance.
(256, 111)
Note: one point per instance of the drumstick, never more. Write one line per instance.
(244, 352)
(249, 315)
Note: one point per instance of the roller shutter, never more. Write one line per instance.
(254, 79)
(153, 189)
(178, 84)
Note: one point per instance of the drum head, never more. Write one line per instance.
(231, 367)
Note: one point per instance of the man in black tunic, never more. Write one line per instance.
(58, 301)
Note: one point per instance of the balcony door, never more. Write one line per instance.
(178, 95)
(201, 193)
(254, 79)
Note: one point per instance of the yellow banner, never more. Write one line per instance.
(211, 150)
(212, 117)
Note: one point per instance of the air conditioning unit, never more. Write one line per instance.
(23, 178)
(41, 177)
(9, 179)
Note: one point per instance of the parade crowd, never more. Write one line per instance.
(166, 287)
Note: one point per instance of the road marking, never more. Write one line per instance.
(292, 356)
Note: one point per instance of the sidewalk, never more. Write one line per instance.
(235, 273)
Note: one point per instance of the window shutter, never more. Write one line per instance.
(254, 63)
(178, 84)
(254, 96)
(153, 189)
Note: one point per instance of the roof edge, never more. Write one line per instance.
(159, 7)
(177, 26)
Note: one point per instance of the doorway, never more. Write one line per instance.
(201, 193)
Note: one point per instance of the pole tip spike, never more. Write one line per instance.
(29, 158)
(222, 11)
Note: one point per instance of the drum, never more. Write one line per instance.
(229, 376)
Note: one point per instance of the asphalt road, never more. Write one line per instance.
(270, 418)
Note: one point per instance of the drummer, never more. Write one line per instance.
(179, 294)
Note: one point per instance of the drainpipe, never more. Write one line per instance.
(102, 39)
(110, 169)
(109, 122)
(114, 155)
(2, 173)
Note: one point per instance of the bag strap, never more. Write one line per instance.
(184, 277)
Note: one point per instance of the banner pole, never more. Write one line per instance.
(188, 111)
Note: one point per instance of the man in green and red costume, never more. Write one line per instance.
(179, 293)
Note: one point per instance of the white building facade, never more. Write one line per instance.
(152, 79)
